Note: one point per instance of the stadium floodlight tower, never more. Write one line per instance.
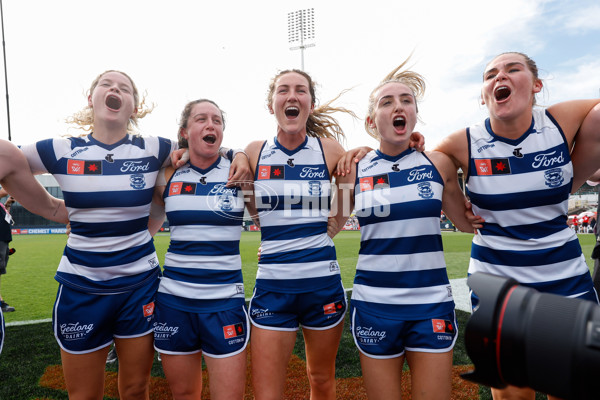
(301, 28)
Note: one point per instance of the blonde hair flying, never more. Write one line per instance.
(414, 81)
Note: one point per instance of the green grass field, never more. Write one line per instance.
(30, 287)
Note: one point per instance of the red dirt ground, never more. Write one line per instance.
(297, 387)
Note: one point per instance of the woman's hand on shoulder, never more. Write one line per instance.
(350, 158)
(417, 141)
(179, 157)
(239, 171)
(333, 150)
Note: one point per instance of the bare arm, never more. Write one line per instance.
(586, 151)
(157, 210)
(239, 171)
(342, 202)
(570, 116)
(253, 152)
(157, 207)
(595, 177)
(338, 215)
(456, 147)
(333, 152)
(16, 178)
(350, 158)
(453, 199)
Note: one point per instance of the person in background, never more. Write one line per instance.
(200, 304)
(6, 221)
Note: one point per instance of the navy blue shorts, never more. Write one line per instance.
(85, 322)
(319, 310)
(217, 334)
(380, 337)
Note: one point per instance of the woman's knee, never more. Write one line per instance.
(321, 378)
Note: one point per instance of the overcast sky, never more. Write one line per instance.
(228, 51)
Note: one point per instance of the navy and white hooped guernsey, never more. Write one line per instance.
(401, 272)
(203, 267)
(107, 190)
(521, 188)
(292, 193)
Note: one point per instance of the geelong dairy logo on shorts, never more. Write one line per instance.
(369, 336)
(138, 181)
(75, 330)
(258, 313)
(554, 177)
(333, 308)
(425, 190)
(162, 331)
(148, 309)
(81, 167)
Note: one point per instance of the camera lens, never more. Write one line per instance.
(521, 337)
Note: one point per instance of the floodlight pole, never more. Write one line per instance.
(301, 27)
(5, 73)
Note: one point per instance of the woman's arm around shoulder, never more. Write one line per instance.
(253, 152)
(570, 115)
(453, 200)
(157, 207)
(456, 147)
(342, 202)
(585, 154)
(16, 178)
(333, 152)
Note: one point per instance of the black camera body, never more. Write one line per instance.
(524, 338)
